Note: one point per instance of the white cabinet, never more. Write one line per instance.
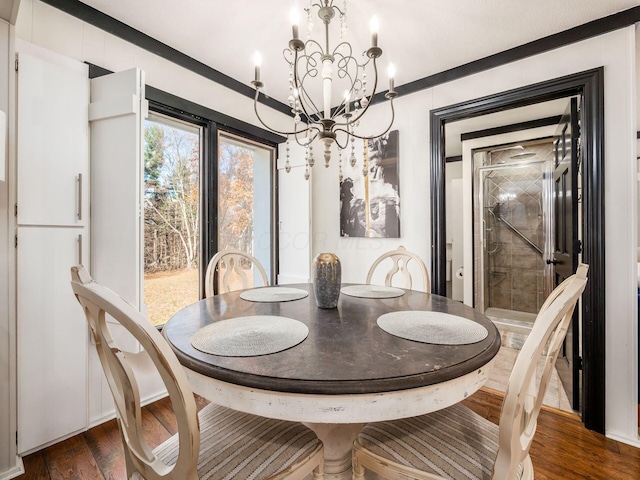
(52, 143)
(61, 386)
(52, 235)
(52, 337)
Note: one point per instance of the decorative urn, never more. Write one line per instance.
(326, 280)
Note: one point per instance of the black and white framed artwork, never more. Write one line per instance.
(370, 204)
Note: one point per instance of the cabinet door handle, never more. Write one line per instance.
(79, 213)
(80, 249)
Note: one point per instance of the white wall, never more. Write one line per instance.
(357, 254)
(616, 52)
(55, 30)
(294, 222)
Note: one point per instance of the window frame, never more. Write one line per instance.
(211, 129)
(212, 122)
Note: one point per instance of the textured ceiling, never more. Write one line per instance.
(421, 37)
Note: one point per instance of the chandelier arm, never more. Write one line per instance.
(303, 95)
(342, 108)
(375, 85)
(255, 108)
(311, 42)
(352, 89)
(317, 4)
(346, 143)
(371, 137)
(348, 47)
(308, 139)
(302, 92)
(343, 63)
(342, 14)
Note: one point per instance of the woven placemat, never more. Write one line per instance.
(372, 291)
(250, 336)
(273, 294)
(432, 327)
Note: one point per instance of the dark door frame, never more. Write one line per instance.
(591, 85)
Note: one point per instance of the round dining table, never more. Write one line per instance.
(348, 371)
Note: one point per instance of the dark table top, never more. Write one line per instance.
(345, 353)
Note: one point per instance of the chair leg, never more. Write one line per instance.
(132, 471)
(358, 469)
(318, 472)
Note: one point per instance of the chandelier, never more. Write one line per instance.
(317, 63)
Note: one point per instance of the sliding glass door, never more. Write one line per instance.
(172, 153)
(206, 190)
(246, 198)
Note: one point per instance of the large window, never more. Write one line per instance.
(246, 198)
(204, 190)
(172, 152)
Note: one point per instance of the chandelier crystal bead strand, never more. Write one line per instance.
(317, 62)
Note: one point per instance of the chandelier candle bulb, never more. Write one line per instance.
(392, 73)
(257, 60)
(375, 25)
(347, 101)
(295, 20)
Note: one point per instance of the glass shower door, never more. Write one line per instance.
(511, 213)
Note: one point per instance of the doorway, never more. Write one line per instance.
(590, 85)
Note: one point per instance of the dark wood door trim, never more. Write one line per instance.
(591, 85)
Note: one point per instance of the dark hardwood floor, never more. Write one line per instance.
(562, 450)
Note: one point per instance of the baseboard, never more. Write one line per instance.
(546, 408)
(111, 415)
(14, 472)
(629, 441)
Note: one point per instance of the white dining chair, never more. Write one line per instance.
(456, 442)
(230, 264)
(400, 259)
(216, 443)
